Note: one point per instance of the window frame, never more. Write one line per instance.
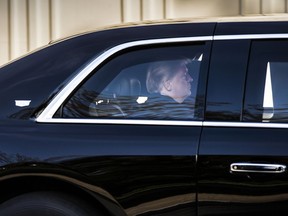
(49, 111)
(46, 115)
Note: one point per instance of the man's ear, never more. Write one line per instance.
(167, 85)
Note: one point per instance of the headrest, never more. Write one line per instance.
(128, 87)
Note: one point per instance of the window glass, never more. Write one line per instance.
(266, 95)
(147, 83)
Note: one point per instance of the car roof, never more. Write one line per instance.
(219, 19)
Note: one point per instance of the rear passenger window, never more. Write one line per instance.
(147, 83)
(266, 94)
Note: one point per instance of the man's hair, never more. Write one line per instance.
(160, 71)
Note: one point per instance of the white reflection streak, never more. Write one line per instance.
(22, 103)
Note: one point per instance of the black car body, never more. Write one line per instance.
(72, 128)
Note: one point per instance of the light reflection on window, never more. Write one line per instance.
(268, 105)
(141, 100)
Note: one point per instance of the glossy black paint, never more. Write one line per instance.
(260, 27)
(226, 78)
(142, 169)
(122, 160)
(222, 192)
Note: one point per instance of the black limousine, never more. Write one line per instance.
(170, 118)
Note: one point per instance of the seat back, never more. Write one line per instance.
(128, 87)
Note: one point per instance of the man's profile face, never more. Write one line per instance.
(181, 83)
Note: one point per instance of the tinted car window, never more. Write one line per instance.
(42, 73)
(118, 89)
(266, 98)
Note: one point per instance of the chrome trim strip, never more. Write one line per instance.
(249, 36)
(245, 124)
(56, 102)
(167, 123)
(125, 122)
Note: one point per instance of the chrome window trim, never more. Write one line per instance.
(46, 115)
(245, 124)
(250, 36)
(168, 123)
(56, 102)
(126, 122)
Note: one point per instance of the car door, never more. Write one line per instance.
(139, 154)
(243, 151)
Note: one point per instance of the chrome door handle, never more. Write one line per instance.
(257, 168)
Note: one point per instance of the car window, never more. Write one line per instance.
(148, 83)
(266, 95)
(46, 70)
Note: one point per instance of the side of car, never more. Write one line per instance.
(86, 138)
(242, 158)
(99, 141)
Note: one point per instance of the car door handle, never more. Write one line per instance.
(257, 168)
